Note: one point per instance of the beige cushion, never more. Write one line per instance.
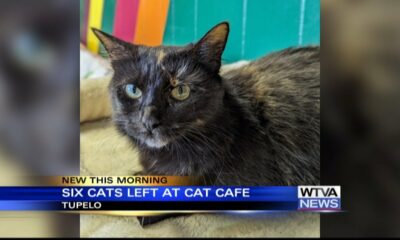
(94, 99)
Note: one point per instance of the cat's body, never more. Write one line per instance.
(267, 132)
(254, 125)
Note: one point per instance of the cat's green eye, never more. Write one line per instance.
(132, 91)
(180, 92)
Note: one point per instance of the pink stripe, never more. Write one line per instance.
(85, 21)
(125, 19)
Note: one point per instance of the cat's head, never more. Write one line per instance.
(162, 94)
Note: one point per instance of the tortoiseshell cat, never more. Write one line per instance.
(255, 125)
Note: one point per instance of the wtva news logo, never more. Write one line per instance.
(319, 198)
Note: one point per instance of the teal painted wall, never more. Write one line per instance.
(257, 26)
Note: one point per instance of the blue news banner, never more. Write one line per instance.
(171, 198)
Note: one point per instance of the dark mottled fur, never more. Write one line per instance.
(254, 125)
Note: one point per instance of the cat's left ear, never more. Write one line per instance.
(210, 48)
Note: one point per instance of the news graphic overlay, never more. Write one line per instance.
(319, 198)
(155, 194)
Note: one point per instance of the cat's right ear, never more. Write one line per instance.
(115, 47)
(209, 48)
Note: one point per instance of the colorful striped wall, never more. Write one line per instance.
(257, 26)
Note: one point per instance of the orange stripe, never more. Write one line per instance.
(151, 22)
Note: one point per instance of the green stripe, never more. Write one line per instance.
(270, 25)
(311, 33)
(211, 12)
(108, 16)
(107, 24)
(179, 29)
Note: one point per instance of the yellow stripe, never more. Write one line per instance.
(95, 17)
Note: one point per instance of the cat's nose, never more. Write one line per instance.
(149, 121)
(151, 124)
